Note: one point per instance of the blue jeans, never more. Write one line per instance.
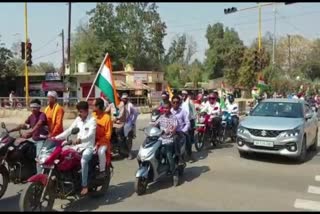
(86, 157)
(39, 145)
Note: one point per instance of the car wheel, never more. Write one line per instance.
(303, 153)
(314, 146)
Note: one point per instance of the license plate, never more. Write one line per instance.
(263, 143)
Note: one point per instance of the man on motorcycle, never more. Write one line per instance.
(103, 134)
(85, 141)
(54, 113)
(182, 128)
(212, 108)
(188, 107)
(233, 109)
(119, 121)
(168, 123)
(37, 122)
(131, 120)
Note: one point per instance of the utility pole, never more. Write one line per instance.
(69, 32)
(274, 37)
(26, 74)
(289, 46)
(63, 62)
(259, 31)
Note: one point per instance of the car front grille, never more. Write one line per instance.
(264, 133)
(274, 148)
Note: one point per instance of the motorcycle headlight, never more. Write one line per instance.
(292, 133)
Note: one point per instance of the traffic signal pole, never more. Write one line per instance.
(26, 74)
(259, 33)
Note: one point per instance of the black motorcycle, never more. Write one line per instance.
(17, 160)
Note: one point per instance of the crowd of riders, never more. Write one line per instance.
(95, 129)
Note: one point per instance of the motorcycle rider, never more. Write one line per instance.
(54, 113)
(37, 122)
(182, 131)
(85, 141)
(233, 108)
(164, 99)
(188, 107)
(103, 134)
(168, 123)
(131, 119)
(119, 121)
(212, 108)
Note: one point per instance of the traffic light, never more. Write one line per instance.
(29, 54)
(23, 50)
(230, 10)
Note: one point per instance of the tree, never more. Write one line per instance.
(248, 78)
(222, 43)
(300, 48)
(130, 32)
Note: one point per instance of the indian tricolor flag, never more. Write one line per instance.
(261, 84)
(105, 81)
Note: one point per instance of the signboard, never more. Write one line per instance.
(52, 86)
(140, 77)
(52, 76)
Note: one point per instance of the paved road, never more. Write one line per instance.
(219, 180)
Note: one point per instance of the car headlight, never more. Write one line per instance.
(292, 133)
(242, 130)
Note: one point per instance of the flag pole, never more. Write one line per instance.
(95, 79)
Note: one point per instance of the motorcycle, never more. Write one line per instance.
(204, 130)
(61, 176)
(226, 125)
(153, 163)
(17, 162)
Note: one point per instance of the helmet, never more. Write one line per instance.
(231, 98)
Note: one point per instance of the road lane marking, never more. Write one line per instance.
(317, 178)
(307, 204)
(314, 190)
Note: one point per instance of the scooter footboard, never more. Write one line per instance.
(42, 178)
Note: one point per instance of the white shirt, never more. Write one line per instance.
(87, 133)
(186, 106)
(230, 108)
(210, 108)
(11, 97)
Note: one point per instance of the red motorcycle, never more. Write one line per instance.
(204, 130)
(61, 177)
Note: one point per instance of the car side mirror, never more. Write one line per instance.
(308, 116)
(75, 131)
(3, 125)
(247, 113)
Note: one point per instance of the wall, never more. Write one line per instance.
(86, 79)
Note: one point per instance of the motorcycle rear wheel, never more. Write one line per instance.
(97, 192)
(199, 141)
(5, 180)
(30, 198)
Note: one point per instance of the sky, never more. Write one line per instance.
(46, 21)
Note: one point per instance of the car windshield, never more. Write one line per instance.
(278, 109)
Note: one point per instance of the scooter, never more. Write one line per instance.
(226, 125)
(153, 163)
(61, 177)
(17, 162)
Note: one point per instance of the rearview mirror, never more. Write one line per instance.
(3, 125)
(75, 131)
(308, 116)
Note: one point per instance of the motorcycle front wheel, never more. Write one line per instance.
(5, 180)
(199, 141)
(140, 186)
(30, 198)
